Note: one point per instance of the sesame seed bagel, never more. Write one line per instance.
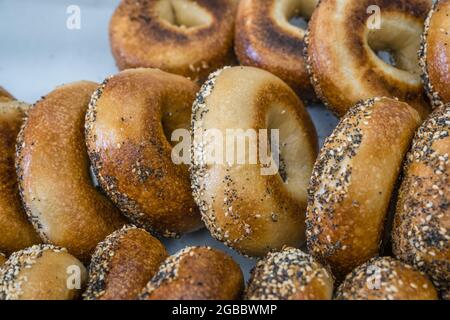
(42, 272)
(353, 180)
(122, 264)
(243, 205)
(5, 95)
(15, 231)
(53, 171)
(384, 278)
(196, 273)
(342, 46)
(421, 233)
(265, 39)
(189, 38)
(130, 121)
(289, 275)
(435, 53)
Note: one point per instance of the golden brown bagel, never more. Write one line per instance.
(126, 126)
(42, 272)
(189, 38)
(248, 211)
(122, 265)
(2, 259)
(353, 181)
(289, 275)
(341, 52)
(386, 279)
(196, 273)
(435, 53)
(15, 231)
(5, 95)
(53, 170)
(265, 39)
(421, 234)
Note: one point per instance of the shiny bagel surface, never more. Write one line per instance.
(353, 181)
(126, 126)
(189, 38)
(266, 39)
(53, 170)
(342, 48)
(421, 233)
(251, 211)
(15, 230)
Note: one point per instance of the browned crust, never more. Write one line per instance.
(328, 73)
(353, 180)
(386, 279)
(421, 234)
(434, 53)
(140, 38)
(260, 41)
(196, 273)
(53, 171)
(250, 213)
(123, 264)
(15, 231)
(5, 95)
(289, 275)
(134, 166)
(2, 259)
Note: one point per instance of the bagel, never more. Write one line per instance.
(265, 39)
(289, 275)
(53, 171)
(2, 259)
(15, 231)
(196, 273)
(189, 38)
(421, 233)
(248, 211)
(342, 46)
(435, 53)
(126, 126)
(353, 180)
(5, 95)
(384, 278)
(42, 272)
(122, 264)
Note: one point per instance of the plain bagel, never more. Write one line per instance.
(196, 273)
(421, 233)
(342, 45)
(15, 230)
(189, 38)
(384, 278)
(129, 125)
(250, 210)
(42, 272)
(53, 171)
(353, 180)
(435, 53)
(5, 95)
(289, 275)
(266, 39)
(122, 264)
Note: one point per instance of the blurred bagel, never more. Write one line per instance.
(5, 95)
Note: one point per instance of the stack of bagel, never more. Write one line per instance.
(90, 184)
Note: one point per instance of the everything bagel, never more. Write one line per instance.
(128, 127)
(353, 180)
(15, 231)
(265, 39)
(421, 233)
(189, 38)
(342, 47)
(251, 211)
(53, 171)
(435, 53)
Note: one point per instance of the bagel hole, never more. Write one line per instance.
(296, 13)
(183, 14)
(299, 22)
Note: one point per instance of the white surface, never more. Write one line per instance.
(38, 52)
